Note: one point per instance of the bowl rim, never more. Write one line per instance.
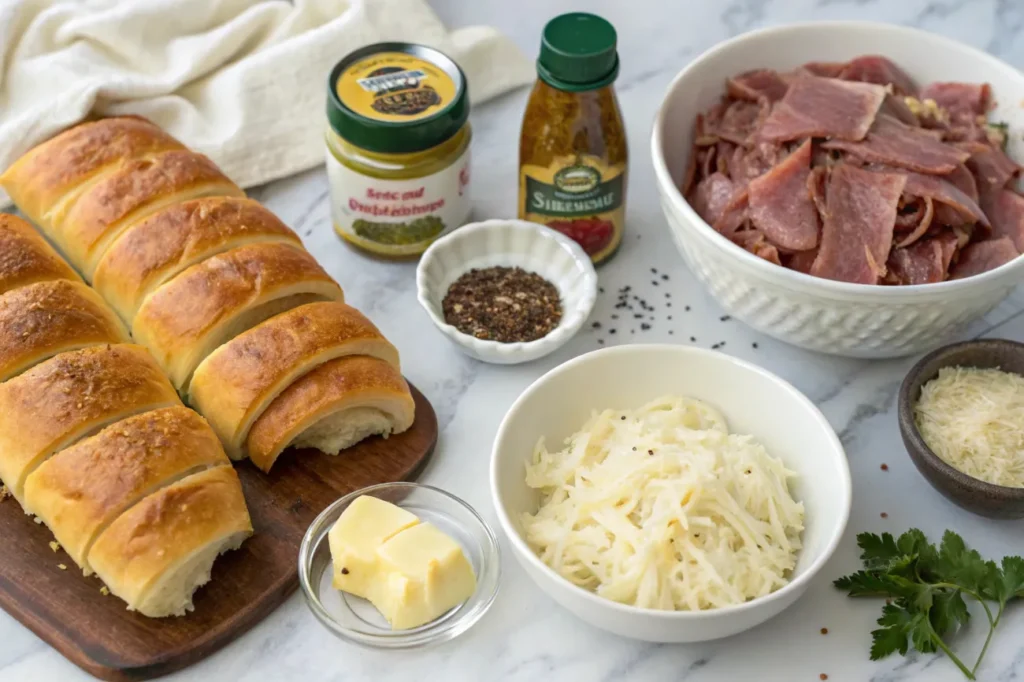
(786, 276)
(573, 316)
(793, 588)
(445, 629)
(908, 425)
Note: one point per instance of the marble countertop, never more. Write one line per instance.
(526, 637)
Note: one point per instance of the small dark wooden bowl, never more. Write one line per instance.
(972, 494)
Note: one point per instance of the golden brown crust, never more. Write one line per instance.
(353, 381)
(166, 528)
(136, 189)
(153, 251)
(46, 318)
(236, 382)
(68, 397)
(178, 321)
(25, 257)
(80, 490)
(44, 176)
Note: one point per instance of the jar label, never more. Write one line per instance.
(395, 86)
(398, 217)
(580, 196)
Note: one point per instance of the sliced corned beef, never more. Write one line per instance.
(739, 121)
(781, 205)
(712, 195)
(991, 167)
(895, 144)
(960, 99)
(801, 261)
(894, 106)
(1005, 208)
(945, 192)
(754, 241)
(879, 70)
(734, 214)
(921, 263)
(817, 181)
(857, 232)
(823, 69)
(753, 85)
(983, 256)
(924, 221)
(823, 107)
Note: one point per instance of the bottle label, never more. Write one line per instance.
(580, 196)
(398, 217)
(395, 87)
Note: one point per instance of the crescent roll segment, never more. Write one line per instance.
(153, 251)
(335, 406)
(79, 491)
(26, 258)
(46, 318)
(136, 189)
(210, 303)
(51, 175)
(69, 397)
(237, 382)
(156, 554)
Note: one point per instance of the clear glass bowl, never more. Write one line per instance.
(355, 619)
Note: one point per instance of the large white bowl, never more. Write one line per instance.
(753, 400)
(832, 317)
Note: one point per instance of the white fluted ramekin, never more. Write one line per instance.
(854, 320)
(509, 243)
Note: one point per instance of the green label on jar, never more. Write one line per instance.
(575, 191)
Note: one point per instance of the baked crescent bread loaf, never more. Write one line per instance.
(69, 397)
(206, 305)
(156, 554)
(43, 319)
(136, 189)
(335, 406)
(25, 257)
(51, 175)
(237, 382)
(153, 251)
(79, 491)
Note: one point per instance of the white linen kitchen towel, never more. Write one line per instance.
(242, 81)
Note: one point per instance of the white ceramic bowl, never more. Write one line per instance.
(831, 317)
(530, 246)
(753, 401)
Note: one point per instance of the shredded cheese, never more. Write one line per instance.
(973, 419)
(663, 508)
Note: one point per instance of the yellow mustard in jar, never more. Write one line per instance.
(398, 142)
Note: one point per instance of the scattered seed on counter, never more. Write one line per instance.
(614, 316)
(596, 325)
(885, 467)
(670, 317)
(654, 282)
(503, 304)
(824, 631)
(654, 271)
(754, 345)
(687, 308)
(632, 331)
(884, 515)
(665, 277)
(670, 332)
(600, 290)
(693, 339)
(600, 342)
(724, 318)
(823, 676)
(668, 305)
(644, 326)
(611, 331)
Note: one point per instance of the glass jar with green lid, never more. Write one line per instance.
(397, 147)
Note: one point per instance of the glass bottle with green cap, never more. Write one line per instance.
(572, 148)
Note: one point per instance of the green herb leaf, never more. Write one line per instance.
(877, 550)
(966, 568)
(1012, 584)
(949, 612)
(896, 624)
(875, 584)
(921, 634)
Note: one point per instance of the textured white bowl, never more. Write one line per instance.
(753, 401)
(530, 246)
(832, 317)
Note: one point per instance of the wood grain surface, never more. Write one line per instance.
(98, 634)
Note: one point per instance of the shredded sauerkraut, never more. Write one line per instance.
(663, 508)
(973, 419)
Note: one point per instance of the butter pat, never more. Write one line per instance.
(362, 528)
(410, 571)
(427, 574)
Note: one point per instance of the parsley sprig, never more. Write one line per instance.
(925, 588)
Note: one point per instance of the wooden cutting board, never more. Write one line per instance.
(99, 635)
